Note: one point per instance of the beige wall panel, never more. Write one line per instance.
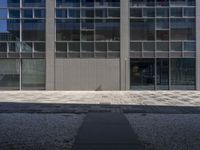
(87, 74)
(92, 74)
(100, 74)
(84, 74)
(59, 74)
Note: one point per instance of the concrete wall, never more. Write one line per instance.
(50, 44)
(87, 74)
(125, 46)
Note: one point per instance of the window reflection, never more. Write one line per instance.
(183, 73)
(142, 74)
(9, 74)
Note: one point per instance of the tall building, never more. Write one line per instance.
(99, 45)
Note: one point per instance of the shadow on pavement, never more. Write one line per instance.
(87, 108)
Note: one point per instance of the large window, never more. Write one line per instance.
(83, 25)
(142, 74)
(168, 23)
(33, 74)
(9, 74)
(163, 74)
(183, 29)
(33, 30)
(183, 73)
(142, 29)
(21, 28)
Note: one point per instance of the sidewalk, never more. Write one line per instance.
(161, 98)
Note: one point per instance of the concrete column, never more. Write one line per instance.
(198, 45)
(50, 45)
(125, 42)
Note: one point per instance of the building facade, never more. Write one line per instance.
(99, 45)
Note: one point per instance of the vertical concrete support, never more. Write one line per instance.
(125, 42)
(50, 44)
(198, 45)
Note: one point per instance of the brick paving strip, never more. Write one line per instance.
(106, 131)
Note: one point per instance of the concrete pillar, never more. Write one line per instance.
(197, 45)
(125, 42)
(50, 45)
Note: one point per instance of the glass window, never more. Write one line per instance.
(162, 3)
(33, 30)
(3, 13)
(61, 47)
(142, 73)
(88, 3)
(9, 74)
(113, 46)
(87, 23)
(61, 13)
(149, 12)
(183, 72)
(136, 12)
(176, 12)
(27, 47)
(190, 46)
(189, 12)
(10, 30)
(162, 12)
(114, 3)
(107, 29)
(11, 3)
(87, 46)
(39, 13)
(136, 46)
(162, 46)
(87, 13)
(162, 74)
(39, 47)
(101, 12)
(191, 2)
(87, 35)
(27, 13)
(176, 46)
(74, 46)
(178, 2)
(137, 3)
(74, 13)
(183, 29)
(33, 3)
(33, 74)
(68, 30)
(68, 3)
(162, 23)
(162, 35)
(113, 12)
(101, 46)
(149, 46)
(14, 13)
(14, 47)
(110, 3)
(3, 47)
(3, 3)
(142, 29)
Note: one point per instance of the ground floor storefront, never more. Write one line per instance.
(22, 74)
(163, 74)
(99, 74)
